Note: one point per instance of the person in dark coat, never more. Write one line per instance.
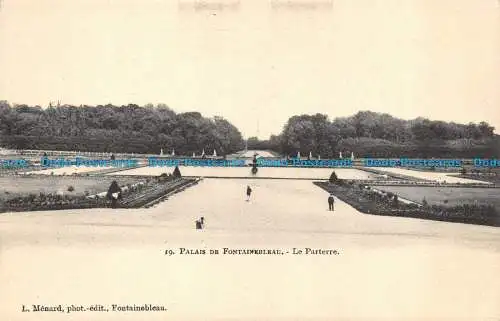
(249, 192)
(114, 193)
(331, 200)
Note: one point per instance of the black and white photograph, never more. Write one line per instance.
(250, 160)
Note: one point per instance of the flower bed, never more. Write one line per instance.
(366, 200)
(133, 196)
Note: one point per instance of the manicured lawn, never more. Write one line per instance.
(11, 186)
(454, 195)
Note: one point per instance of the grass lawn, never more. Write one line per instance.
(454, 195)
(12, 186)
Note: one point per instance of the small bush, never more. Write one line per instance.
(71, 188)
(395, 200)
(333, 178)
(177, 172)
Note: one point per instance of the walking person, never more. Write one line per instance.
(331, 200)
(249, 192)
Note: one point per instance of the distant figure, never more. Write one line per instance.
(112, 157)
(331, 200)
(254, 164)
(249, 192)
(114, 193)
(200, 224)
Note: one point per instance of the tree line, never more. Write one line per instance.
(109, 128)
(371, 134)
(148, 129)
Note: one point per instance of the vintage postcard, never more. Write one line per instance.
(250, 160)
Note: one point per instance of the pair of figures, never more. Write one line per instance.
(200, 224)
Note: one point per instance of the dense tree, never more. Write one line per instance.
(111, 128)
(272, 144)
(381, 135)
(309, 133)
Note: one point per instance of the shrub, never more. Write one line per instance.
(333, 178)
(163, 177)
(71, 188)
(412, 206)
(395, 201)
(177, 172)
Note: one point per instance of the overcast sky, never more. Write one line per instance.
(258, 63)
